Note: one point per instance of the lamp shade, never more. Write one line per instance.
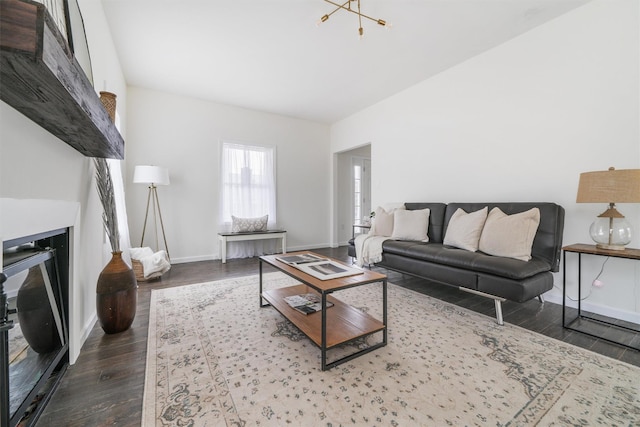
(151, 175)
(611, 186)
(610, 230)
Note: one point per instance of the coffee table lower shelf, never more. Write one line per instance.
(344, 323)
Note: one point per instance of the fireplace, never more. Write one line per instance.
(40, 239)
(34, 318)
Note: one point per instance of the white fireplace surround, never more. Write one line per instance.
(24, 217)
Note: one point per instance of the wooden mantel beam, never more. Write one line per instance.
(41, 79)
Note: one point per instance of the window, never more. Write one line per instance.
(248, 182)
(361, 189)
(357, 194)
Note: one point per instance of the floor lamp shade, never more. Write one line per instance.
(151, 175)
(610, 230)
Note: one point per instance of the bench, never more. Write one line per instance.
(250, 235)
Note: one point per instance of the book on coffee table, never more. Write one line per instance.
(306, 303)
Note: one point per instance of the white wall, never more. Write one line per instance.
(183, 134)
(36, 165)
(519, 123)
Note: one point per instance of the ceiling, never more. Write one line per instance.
(269, 55)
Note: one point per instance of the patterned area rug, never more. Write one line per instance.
(216, 359)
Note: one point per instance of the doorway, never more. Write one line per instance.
(353, 174)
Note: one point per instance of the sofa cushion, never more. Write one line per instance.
(510, 235)
(382, 224)
(548, 241)
(437, 211)
(411, 225)
(460, 258)
(515, 290)
(429, 270)
(464, 229)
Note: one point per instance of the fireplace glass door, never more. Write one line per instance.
(36, 337)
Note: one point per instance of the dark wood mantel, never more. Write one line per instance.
(41, 78)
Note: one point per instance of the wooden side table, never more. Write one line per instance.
(585, 323)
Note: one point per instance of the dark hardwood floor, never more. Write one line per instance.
(105, 385)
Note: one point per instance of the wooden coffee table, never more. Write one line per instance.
(330, 327)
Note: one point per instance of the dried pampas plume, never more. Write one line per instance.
(104, 184)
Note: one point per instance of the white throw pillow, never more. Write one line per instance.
(382, 224)
(510, 235)
(411, 225)
(464, 229)
(244, 225)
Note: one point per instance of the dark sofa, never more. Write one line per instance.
(495, 277)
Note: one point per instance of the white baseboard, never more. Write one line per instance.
(193, 259)
(555, 296)
(85, 332)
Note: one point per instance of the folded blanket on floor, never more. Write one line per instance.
(155, 263)
(368, 249)
(151, 262)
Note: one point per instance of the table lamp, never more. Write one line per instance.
(153, 176)
(610, 230)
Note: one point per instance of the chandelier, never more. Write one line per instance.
(347, 6)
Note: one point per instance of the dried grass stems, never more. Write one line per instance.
(104, 184)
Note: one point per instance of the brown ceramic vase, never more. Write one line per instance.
(116, 295)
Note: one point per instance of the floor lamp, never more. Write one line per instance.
(153, 176)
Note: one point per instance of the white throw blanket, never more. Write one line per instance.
(368, 249)
(138, 253)
(156, 263)
(151, 262)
